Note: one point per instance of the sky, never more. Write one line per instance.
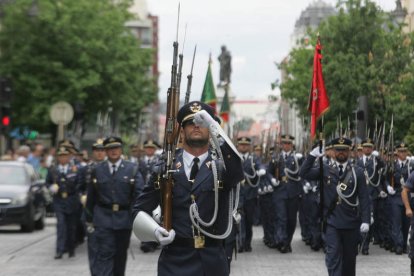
(257, 33)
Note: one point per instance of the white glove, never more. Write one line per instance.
(372, 220)
(260, 191)
(83, 200)
(317, 153)
(307, 187)
(314, 188)
(390, 190)
(269, 189)
(275, 182)
(89, 228)
(54, 188)
(203, 119)
(265, 190)
(364, 227)
(298, 155)
(383, 194)
(375, 153)
(261, 172)
(163, 236)
(237, 217)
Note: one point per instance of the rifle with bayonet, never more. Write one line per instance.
(390, 151)
(190, 79)
(166, 181)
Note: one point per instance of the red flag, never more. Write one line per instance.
(318, 99)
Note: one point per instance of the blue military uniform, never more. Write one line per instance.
(181, 257)
(286, 194)
(409, 185)
(65, 204)
(146, 167)
(108, 209)
(400, 224)
(372, 167)
(251, 164)
(346, 204)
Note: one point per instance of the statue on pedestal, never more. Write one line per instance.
(225, 66)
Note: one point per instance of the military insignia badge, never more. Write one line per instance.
(178, 165)
(208, 164)
(195, 107)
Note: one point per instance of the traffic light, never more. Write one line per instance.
(5, 103)
(5, 119)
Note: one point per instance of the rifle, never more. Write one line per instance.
(170, 138)
(190, 79)
(391, 168)
(277, 153)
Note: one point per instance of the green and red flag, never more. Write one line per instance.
(318, 98)
(209, 93)
(225, 107)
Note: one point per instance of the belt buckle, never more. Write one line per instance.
(115, 207)
(343, 186)
(284, 178)
(64, 194)
(199, 241)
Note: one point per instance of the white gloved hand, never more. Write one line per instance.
(261, 172)
(298, 155)
(364, 227)
(275, 182)
(390, 190)
(163, 236)
(54, 188)
(375, 153)
(260, 191)
(83, 200)
(316, 152)
(237, 217)
(383, 194)
(89, 227)
(269, 189)
(307, 187)
(372, 220)
(203, 119)
(265, 190)
(314, 189)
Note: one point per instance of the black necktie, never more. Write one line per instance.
(341, 169)
(113, 169)
(194, 169)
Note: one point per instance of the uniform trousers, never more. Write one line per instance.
(111, 251)
(341, 250)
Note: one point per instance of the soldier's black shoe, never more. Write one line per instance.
(365, 252)
(315, 247)
(248, 248)
(71, 254)
(241, 250)
(285, 249)
(58, 256)
(398, 251)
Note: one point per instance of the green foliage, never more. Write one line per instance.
(364, 53)
(77, 51)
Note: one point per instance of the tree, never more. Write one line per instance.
(78, 51)
(364, 53)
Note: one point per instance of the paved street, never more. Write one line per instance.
(32, 254)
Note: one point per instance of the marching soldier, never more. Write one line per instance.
(98, 156)
(62, 181)
(146, 167)
(399, 222)
(201, 215)
(252, 174)
(288, 189)
(345, 192)
(408, 200)
(115, 183)
(372, 167)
